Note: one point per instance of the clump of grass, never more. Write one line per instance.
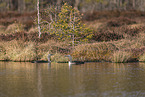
(33, 29)
(121, 57)
(15, 27)
(17, 50)
(2, 51)
(94, 52)
(132, 43)
(27, 54)
(2, 29)
(142, 58)
(12, 48)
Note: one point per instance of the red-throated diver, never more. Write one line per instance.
(42, 61)
(73, 62)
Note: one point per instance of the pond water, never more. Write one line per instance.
(61, 80)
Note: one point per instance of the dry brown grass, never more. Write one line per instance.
(27, 54)
(94, 52)
(137, 25)
(18, 51)
(132, 43)
(2, 29)
(15, 27)
(142, 58)
(124, 50)
(121, 57)
(33, 29)
(116, 51)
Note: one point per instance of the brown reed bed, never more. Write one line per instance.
(19, 50)
(115, 51)
(124, 50)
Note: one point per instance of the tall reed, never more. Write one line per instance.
(94, 52)
(142, 58)
(121, 57)
(17, 50)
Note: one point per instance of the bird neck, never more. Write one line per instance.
(70, 58)
(49, 60)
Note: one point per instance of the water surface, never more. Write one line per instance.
(60, 80)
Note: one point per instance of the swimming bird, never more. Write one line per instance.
(42, 61)
(73, 62)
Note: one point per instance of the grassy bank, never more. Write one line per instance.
(116, 51)
(117, 39)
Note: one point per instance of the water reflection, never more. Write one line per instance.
(62, 80)
(39, 85)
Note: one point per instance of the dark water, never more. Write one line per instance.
(60, 80)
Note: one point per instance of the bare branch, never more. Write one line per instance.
(38, 16)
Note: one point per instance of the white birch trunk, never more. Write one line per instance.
(38, 16)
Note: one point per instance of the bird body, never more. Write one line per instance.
(73, 62)
(42, 61)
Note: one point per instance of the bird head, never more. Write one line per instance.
(68, 56)
(50, 55)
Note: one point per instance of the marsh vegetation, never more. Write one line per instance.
(114, 36)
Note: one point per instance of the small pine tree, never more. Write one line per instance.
(65, 23)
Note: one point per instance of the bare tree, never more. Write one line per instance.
(76, 4)
(38, 16)
(21, 5)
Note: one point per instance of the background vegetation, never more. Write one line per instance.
(117, 33)
(83, 5)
